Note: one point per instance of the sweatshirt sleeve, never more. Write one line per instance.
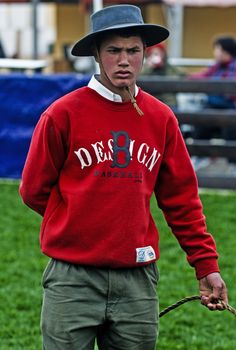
(43, 163)
(177, 195)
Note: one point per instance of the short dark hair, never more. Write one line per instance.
(228, 44)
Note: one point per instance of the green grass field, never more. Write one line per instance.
(190, 327)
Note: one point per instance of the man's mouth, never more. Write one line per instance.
(123, 74)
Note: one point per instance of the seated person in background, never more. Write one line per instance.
(156, 63)
(155, 60)
(224, 50)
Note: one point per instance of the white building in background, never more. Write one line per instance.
(16, 30)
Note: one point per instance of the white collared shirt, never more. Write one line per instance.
(95, 84)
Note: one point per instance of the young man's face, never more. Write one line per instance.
(121, 61)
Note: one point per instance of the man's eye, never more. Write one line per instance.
(132, 51)
(113, 50)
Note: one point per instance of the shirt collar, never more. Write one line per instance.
(95, 84)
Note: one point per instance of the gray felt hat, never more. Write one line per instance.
(115, 17)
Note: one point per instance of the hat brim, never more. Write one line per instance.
(152, 34)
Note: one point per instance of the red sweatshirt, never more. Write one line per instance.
(91, 170)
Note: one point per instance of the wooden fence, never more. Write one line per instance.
(157, 85)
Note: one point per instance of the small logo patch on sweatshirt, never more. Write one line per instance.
(145, 254)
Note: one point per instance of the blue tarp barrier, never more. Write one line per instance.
(22, 100)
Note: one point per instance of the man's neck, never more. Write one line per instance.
(122, 91)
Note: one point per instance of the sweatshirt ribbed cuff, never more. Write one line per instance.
(205, 267)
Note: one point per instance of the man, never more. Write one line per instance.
(96, 157)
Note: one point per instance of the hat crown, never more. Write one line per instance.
(110, 17)
(118, 17)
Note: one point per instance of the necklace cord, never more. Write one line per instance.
(134, 102)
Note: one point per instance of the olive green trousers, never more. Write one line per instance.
(116, 308)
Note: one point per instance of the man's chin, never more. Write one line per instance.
(122, 84)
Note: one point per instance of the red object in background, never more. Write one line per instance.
(161, 46)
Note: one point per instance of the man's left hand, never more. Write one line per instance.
(213, 291)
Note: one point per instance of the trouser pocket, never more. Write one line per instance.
(47, 272)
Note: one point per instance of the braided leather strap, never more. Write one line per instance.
(187, 299)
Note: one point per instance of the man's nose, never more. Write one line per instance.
(123, 58)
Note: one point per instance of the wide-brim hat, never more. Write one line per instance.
(112, 18)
